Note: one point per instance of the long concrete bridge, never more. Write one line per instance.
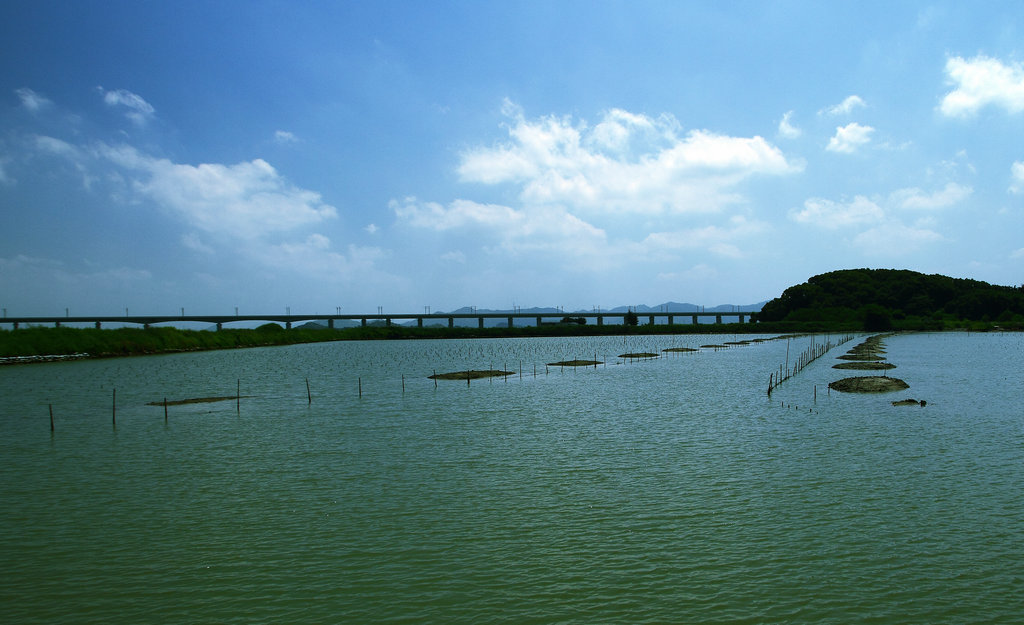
(388, 318)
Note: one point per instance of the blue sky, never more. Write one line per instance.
(309, 156)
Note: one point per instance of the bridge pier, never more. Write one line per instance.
(742, 317)
(651, 319)
(364, 322)
(419, 322)
(670, 318)
(220, 326)
(97, 325)
(600, 320)
(56, 324)
(451, 322)
(510, 323)
(480, 322)
(387, 322)
(718, 319)
(330, 324)
(694, 318)
(538, 322)
(287, 325)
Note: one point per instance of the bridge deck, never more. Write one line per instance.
(420, 318)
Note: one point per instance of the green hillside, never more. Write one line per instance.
(882, 299)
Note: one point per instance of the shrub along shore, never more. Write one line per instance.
(41, 342)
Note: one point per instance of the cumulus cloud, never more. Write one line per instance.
(915, 198)
(455, 256)
(31, 100)
(980, 82)
(193, 242)
(135, 108)
(786, 129)
(833, 215)
(517, 231)
(895, 239)
(314, 254)
(721, 241)
(849, 137)
(246, 200)
(845, 107)
(1017, 177)
(878, 231)
(285, 137)
(627, 163)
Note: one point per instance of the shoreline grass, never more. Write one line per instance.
(46, 342)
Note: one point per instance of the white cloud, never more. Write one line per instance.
(1018, 253)
(627, 163)
(5, 178)
(849, 137)
(138, 110)
(833, 215)
(459, 213)
(32, 100)
(547, 229)
(193, 242)
(285, 137)
(79, 158)
(57, 147)
(246, 200)
(454, 257)
(845, 107)
(1017, 177)
(894, 239)
(982, 81)
(915, 198)
(786, 129)
(314, 255)
(371, 228)
(714, 239)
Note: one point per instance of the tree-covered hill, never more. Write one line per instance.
(880, 299)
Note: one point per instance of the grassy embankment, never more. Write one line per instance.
(38, 341)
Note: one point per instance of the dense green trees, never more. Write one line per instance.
(879, 299)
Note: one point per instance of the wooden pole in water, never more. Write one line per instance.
(113, 409)
(403, 383)
(435, 378)
(165, 410)
(360, 387)
(238, 396)
(51, 417)
(309, 396)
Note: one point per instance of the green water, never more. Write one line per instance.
(669, 490)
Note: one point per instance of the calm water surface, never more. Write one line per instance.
(668, 490)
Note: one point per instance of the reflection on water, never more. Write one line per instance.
(649, 491)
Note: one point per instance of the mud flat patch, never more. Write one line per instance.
(681, 349)
(869, 384)
(575, 363)
(635, 355)
(909, 402)
(861, 356)
(866, 366)
(472, 374)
